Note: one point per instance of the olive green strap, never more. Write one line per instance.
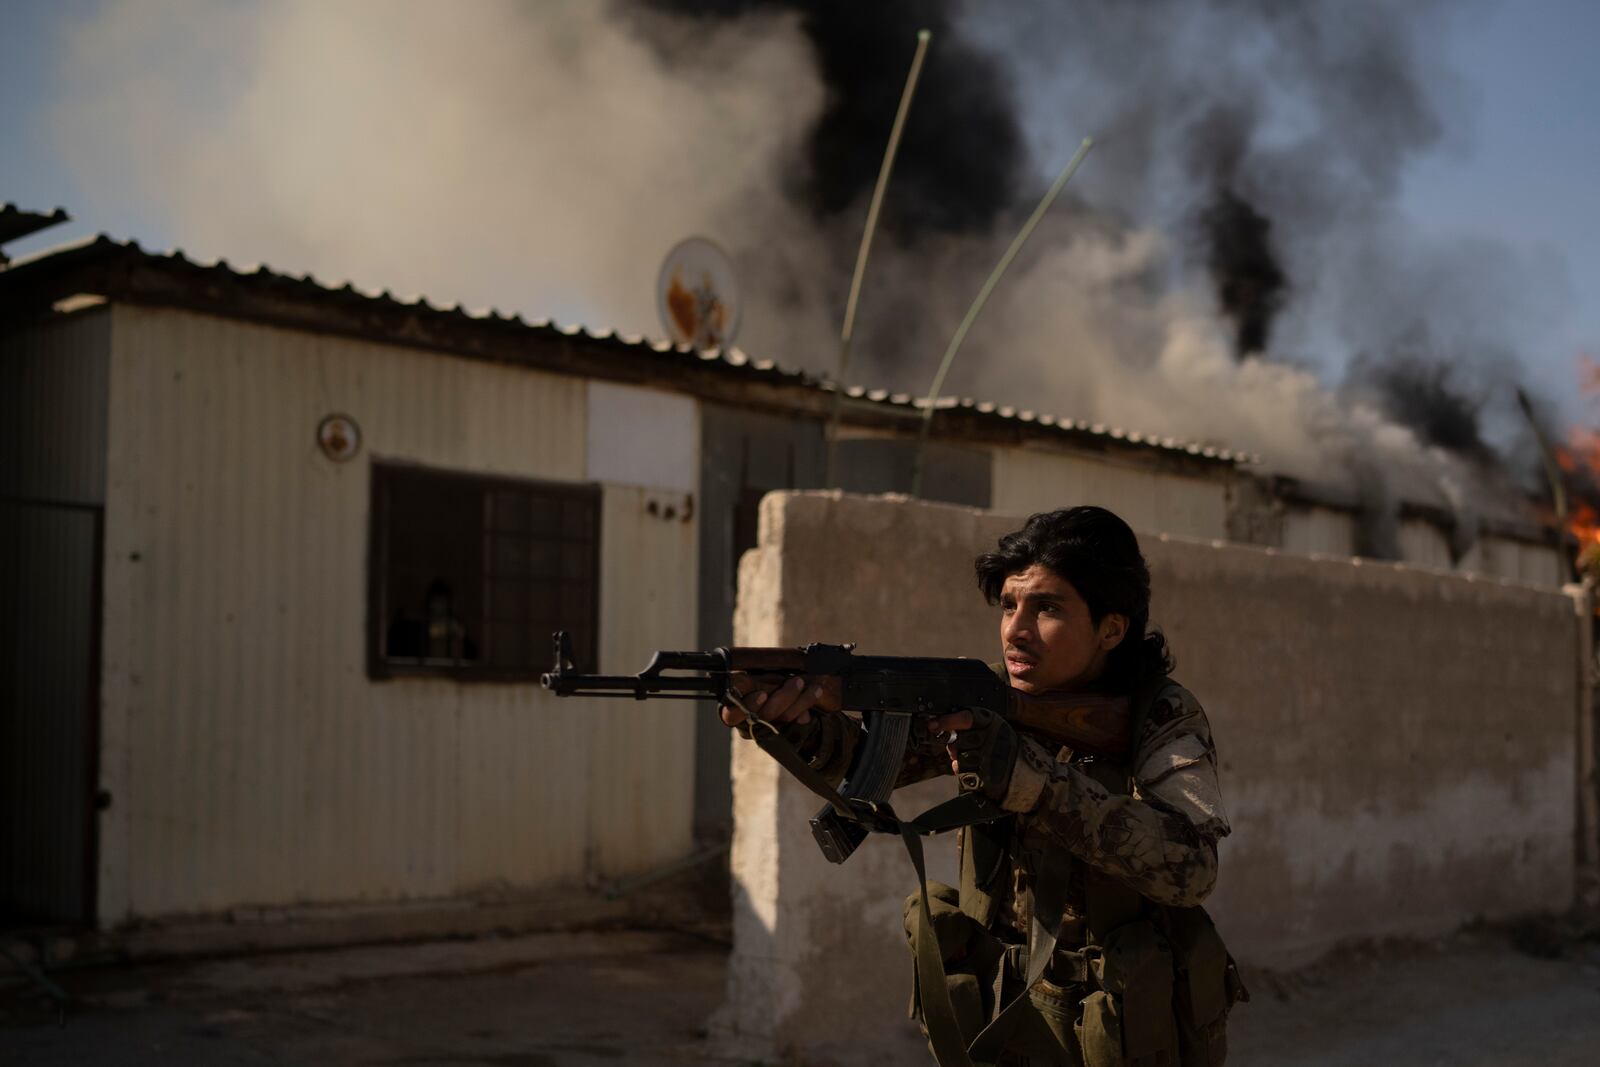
(983, 852)
(938, 1014)
(1041, 948)
(970, 809)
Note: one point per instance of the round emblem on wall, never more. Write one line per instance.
(339, 437)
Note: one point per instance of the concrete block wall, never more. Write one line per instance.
(1397, 751)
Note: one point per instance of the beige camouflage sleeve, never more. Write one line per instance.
(1162, 840)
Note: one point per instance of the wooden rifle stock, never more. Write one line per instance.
(1085, 722)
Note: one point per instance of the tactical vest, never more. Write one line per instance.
(1150, 986)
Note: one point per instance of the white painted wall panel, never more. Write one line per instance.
(641, 755)
(1328, 532)
(1544, 565)
(1319, 531)
(250, 758)
(1027, 481)
(1424, 545)
(643, 437)
(1499, 557)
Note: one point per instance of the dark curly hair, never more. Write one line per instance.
(1098, 553)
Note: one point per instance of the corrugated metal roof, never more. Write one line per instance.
(733, 360)
(15, 223)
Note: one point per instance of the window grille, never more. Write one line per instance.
(471, 574)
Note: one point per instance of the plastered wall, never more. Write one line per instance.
(1396, 749)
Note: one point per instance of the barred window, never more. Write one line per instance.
(470, 575)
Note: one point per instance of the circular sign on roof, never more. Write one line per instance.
(697, 295)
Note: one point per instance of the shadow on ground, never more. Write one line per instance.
(639, 997)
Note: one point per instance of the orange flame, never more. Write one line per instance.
(1584, 523)
(1581, 456)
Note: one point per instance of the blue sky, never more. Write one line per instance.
(1517, 167)
(1523, 172)
(31, 174)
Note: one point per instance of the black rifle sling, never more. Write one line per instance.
(966, 809)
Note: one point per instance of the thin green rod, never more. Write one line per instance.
(865, 250)
(1552, 472)
(982, 299)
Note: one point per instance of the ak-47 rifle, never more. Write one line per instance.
(894, 695)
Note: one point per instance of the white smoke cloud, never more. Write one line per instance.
(1085, 326)
(542, 158)
(536, 158)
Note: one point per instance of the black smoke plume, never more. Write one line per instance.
(962, 154)
(1251, 286)
(1267, 142)
(1427, 394)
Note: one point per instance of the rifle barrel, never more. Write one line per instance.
(567, 684)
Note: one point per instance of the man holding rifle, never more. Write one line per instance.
(1076, 935)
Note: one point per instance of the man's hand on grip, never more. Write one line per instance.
(983, 752)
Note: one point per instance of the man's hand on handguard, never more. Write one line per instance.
(791, 701)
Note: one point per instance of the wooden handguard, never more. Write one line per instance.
(756, 660)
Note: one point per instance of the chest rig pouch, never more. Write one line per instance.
(1156, 982)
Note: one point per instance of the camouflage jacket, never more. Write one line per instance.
(1160, 839)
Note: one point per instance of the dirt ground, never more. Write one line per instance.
(1476, 999)
(637, 997)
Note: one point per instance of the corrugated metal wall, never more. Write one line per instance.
(52, 485)
(743, 454)
(1325, 531)
(249, 757)
(641, 756)
(870, 464)
(1319, 531)
(1026, 481)
(1498, 557)
(1425, 545)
